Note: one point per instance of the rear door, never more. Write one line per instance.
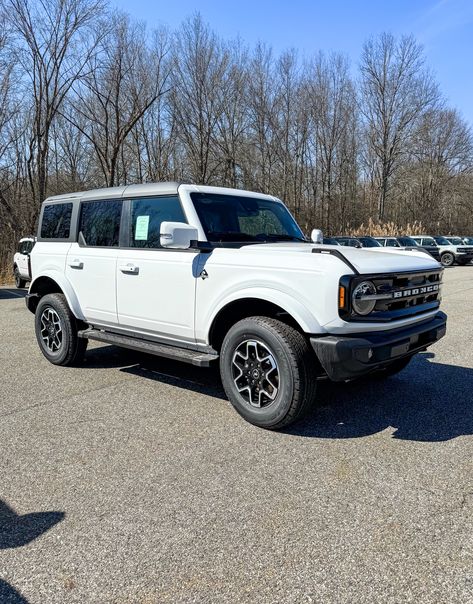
(155, 286)
(91, 261)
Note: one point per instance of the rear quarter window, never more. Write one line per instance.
(56, 221)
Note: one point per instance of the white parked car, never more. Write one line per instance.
(204, 274)
(21, 261)
(449, 253)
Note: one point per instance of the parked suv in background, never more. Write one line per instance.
(203, 274)
(348, 241)
(21, 261)
(411, 243)
(369, 242)
(449, 253)
(403, 244)
(388, 241)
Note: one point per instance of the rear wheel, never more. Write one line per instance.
(447, 259)
(56, 331)
(268, 372)
(19, 282)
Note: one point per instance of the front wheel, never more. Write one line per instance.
(268, 372)
(56, 331)
(447, 259)
(19, 282)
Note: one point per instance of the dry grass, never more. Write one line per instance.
(386, 229)
(6, 277)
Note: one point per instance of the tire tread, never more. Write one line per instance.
(302, 357)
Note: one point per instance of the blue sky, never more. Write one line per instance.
(444, 27)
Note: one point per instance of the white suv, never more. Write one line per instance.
(21, 261)
(449, 253)
(204, 274)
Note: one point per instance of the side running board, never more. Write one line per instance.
(193, 357)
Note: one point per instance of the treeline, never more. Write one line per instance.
(91, 98)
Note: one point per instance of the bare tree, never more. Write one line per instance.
(395, 90)
(54, 41)
(121, 85)
(333, 108)
(199, 67)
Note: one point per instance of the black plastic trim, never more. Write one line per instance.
(349, 281)
(338, 254)
(200, 358)
(350, 356)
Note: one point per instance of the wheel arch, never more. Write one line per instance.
(236, 309)
(53, 283)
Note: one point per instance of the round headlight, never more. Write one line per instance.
(360, 304)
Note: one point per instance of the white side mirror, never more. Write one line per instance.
(317, 236)
(177, 235)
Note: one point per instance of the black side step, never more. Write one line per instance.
(194, 357)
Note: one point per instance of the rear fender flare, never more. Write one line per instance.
(65, 287)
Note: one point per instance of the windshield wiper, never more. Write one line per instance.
(275, 237)
(230, 236)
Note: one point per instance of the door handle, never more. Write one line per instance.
(131, 269)
(76, 264)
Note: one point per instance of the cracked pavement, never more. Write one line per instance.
(130, 480)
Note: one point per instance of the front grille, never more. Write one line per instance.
(398, 296)
(465, 250)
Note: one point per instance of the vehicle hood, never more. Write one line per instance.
(365, 260)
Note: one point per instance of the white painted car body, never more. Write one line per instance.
(21, 257)
(461, 253)
(162, 293)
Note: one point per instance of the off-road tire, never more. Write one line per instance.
(19, 282)
(72, 348)
(447, 259)
(296, 365)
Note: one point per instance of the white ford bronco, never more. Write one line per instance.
(204, 274)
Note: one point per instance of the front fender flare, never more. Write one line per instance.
(288, 303)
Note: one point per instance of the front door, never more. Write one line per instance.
(155, 286)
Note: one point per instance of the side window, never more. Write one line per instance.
(56, 222)
(99, 224)
(147, 216)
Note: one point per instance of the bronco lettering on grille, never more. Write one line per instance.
(417, 291)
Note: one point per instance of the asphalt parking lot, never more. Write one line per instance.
(132, 480)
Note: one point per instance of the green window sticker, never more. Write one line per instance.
(141, 228)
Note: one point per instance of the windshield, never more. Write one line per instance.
(407, 241)
(236, 218)
(468, 240)
(442, 240)
(455, 240)
(368, 242)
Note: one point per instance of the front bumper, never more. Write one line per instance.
(348, 357)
